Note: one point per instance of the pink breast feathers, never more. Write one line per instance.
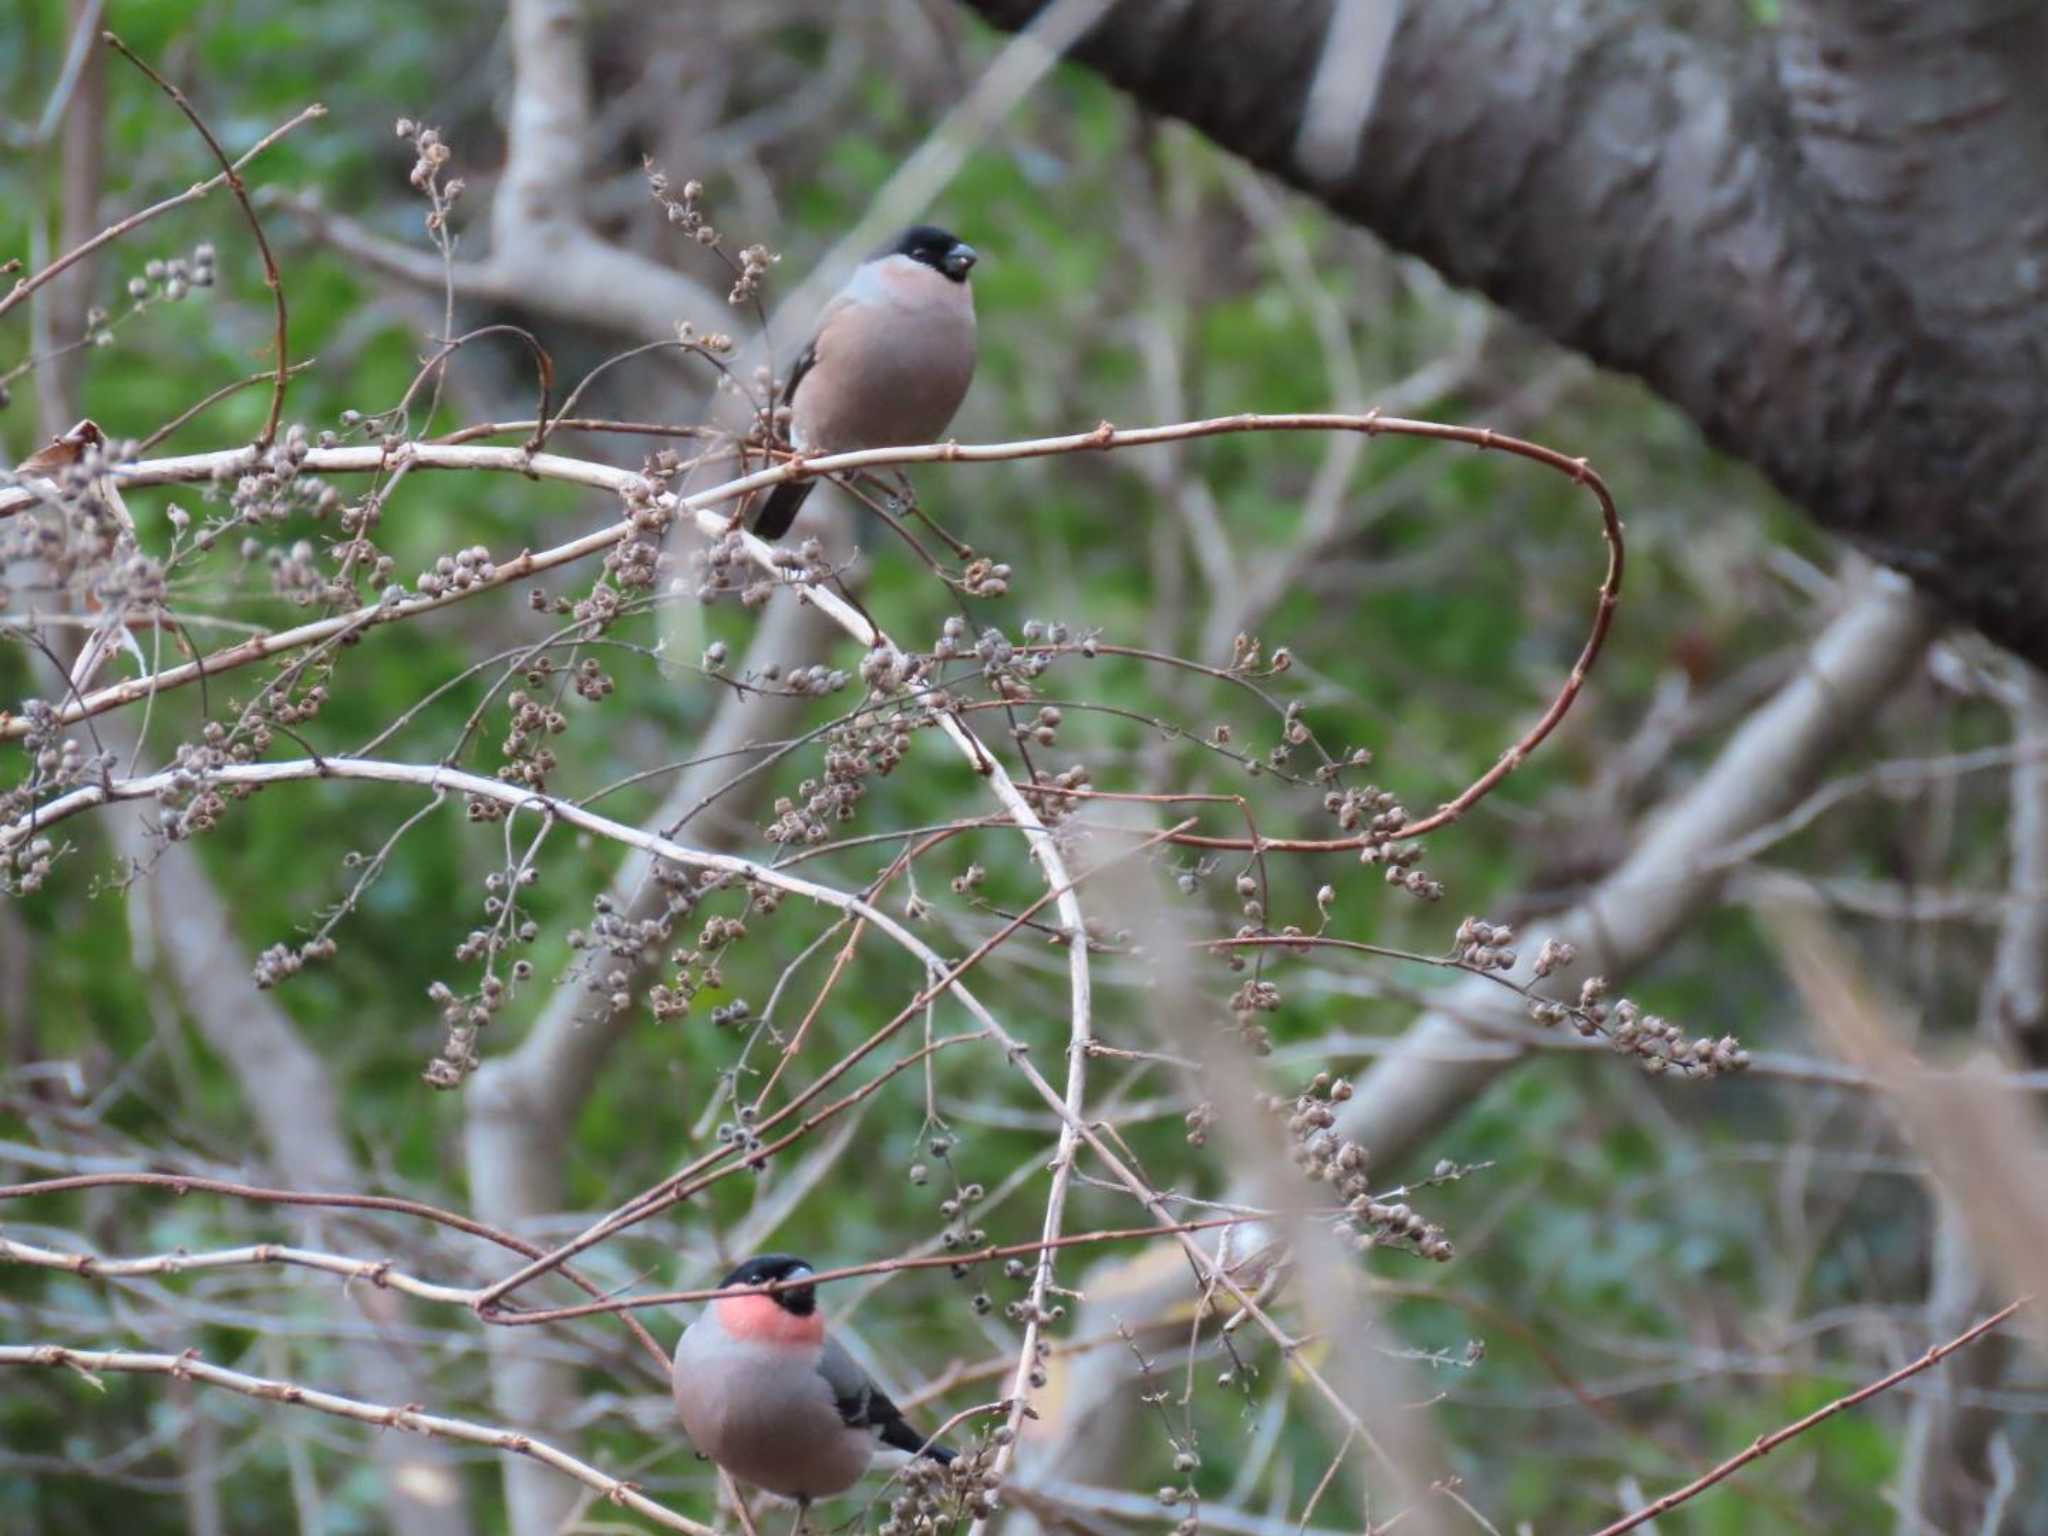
(758, 1319)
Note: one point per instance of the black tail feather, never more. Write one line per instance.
(781, 508)
(898, 1434)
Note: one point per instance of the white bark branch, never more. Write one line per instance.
(187, 1367)
(437, 778)
(180, 921)
(1855, 666)
(377, 1272)
(2015, 1011)
(195, 468)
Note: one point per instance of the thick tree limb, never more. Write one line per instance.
(1640, 194)
(542, 246)
(1921, 119)
(544, 256)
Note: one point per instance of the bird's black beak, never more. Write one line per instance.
(960, 261)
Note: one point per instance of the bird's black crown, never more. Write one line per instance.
(935, 248)
(766, 1269)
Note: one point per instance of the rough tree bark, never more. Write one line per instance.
(1805, 236)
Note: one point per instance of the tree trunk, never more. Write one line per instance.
(1812, 238)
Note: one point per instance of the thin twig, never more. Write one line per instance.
(943, 977)
(183, 1183)
(1765, 1444)
(189, 1367)
(947, 1260)
(271, 276)
(385, 1275)
(1104, 438)
(185, 416)
(23, 287)
(796, 1039)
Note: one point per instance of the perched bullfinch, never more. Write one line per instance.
(890, 362)
(768, 1396)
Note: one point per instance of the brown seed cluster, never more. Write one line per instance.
(857, 751)
(76, 539)
(1658, 1045)
(1486, 946)
(193, 801)
(281, 962)
(754, 262)
(431, 155)
(635, 563)
(1325, 1155)
(684, 208)
(56, 763)
(463, 571)
(270, 488)
(171, 278)
(696, 968)
(936, 1498)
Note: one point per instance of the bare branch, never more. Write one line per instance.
(272, 278)
(189, 1367)
(1103, 439)
(23, 287)
(1765, 1444)
(1853, 668)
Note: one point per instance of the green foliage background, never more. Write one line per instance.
(1623, 1232)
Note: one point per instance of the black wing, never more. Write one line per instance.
(784, 502)
(806, 360)
(863, 1405)
(781, 508)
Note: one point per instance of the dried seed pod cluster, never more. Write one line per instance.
(1324, 1154)
(935, 1498)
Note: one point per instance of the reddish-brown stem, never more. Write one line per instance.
(1105, 437)
(1765, 1444)
(796, 1039)
(481, 429)
(271, 276)
(879, 1267)
(185, 416)
(679, 1186)
(25, 286)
